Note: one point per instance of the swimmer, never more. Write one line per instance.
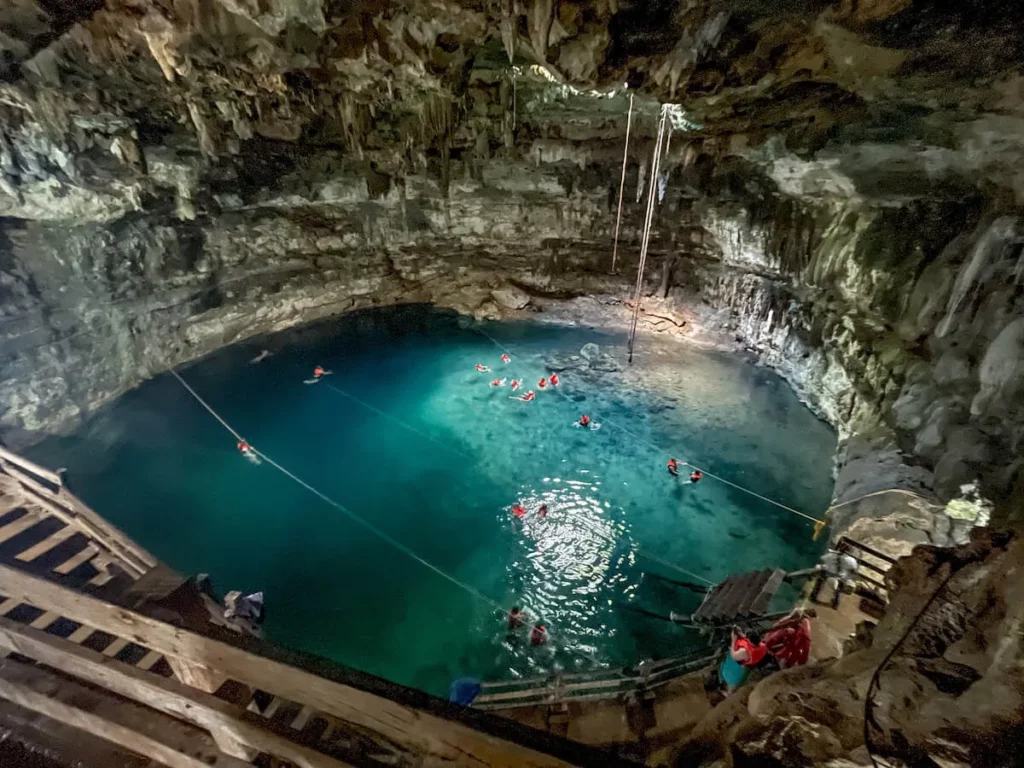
(498, 382)
(584, 421)
(506, 359)
(696, 475)
(673, 467)
(542, 383)
(515, 618)
(518, 510)
(539, 634)
(528, 397)
(263, 355)
(542, 510)
(515, 384)
(319, 371)
(482, 368)
(553, 378)
(246, 450)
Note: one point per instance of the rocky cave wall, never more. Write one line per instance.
(842, 196)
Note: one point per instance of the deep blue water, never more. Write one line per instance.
(436, 466)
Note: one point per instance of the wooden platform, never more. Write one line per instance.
(741, 596)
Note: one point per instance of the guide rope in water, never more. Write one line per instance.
(819, 524)
(340, 507)
(370, 526)
(402, 423)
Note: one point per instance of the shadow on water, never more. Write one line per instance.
(434, 457)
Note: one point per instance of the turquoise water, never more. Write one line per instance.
(435, 457)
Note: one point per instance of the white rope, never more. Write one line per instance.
(651, 194)
(622, 183)
(341, 508)
(668, 453)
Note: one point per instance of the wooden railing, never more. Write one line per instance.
(872, 564)
(45, 489)
(589, 686)
(251, 697)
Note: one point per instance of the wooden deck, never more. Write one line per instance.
(741, 596)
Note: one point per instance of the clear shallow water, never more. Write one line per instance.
(435, 457)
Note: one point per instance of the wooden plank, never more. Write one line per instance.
(74, 561)
(81, 634)
(20, 525)
(10, 502)
(711, 599)
(771, 586)
(45, 620)
(147, 661)
(146, 732)
(44, 546)
(20, 462)
(419, 728)
(744, 601)
(117, 645)
(163, 694)
(714, 607)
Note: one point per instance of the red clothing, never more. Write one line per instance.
(506, 359)
(318, 371)
(538, 635)
(790, 641)
(673, 466)
(243, 446)
(696, 475)
(518, 510)
(515, 384)
(584, 420)
(529, 396)
(554, 379)
(755, 653)
(481, 368)
(542, 383)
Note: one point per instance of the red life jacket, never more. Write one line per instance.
(538, 635)
(756, 653)
(584, 420)
(518, 510)
(696, 476)
(542, 383)
(554, 379)
(318, 371)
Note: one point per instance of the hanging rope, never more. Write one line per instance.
(819, 524)
(622, 182)
(652, 191)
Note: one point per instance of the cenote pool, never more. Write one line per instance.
(408, 435)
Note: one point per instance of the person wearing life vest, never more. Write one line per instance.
(498, 382)
(673, 467)
(542, 383)
(696, 475)
(246, 450)
(243, 447)
(482, 368)
(518, 510)
(553, 378)
(515, 384)
(743, 651)
(531, 395)
(320, 371)
(584, 421)
(542, 510)
(506, 359)
(539, 634)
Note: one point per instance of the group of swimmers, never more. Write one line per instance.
(530, 395)
(516, 620)
(673, 469)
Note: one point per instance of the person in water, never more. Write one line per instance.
(515, 384)
(515, 618)
(542, 383)
(539, 634)
(506, 359)
(542, 510)
(531, 395)
(498, 382)
(482, 368)
(553, 378)
(319, 371)
(246, 450)
(584, 421)
(518, 510)
(696, 476)
(673, 467)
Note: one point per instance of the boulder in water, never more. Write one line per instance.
(590, 351)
